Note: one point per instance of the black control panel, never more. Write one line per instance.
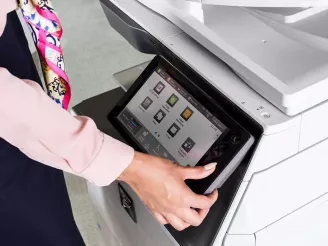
(165, 114)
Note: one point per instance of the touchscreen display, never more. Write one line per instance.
(168, 122)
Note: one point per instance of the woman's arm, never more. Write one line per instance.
(31, 121)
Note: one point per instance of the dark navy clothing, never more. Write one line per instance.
(34, 205)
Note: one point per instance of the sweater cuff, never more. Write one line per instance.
(113, 158)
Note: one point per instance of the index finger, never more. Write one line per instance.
(202, 201)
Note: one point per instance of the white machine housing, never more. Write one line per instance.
(283, 199)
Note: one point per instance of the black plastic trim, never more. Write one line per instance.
(233, 128)
(129, 29)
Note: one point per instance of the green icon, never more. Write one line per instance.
(173, 100)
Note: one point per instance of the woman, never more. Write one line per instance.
(34, 205)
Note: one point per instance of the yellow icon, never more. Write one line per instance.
(187, 114)
(169, 79)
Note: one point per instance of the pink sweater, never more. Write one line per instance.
(31, 121)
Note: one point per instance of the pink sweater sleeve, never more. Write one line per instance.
(42, 130)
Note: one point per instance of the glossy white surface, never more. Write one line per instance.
(305, 227)
(241, 240)
(314, 126)
(289, 73)
(280, 190)
(274, 148)
(266, 3)
(290, 15)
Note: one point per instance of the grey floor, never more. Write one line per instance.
(93, 53)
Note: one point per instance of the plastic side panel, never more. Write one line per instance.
(240, 240)
(273, 149)
(282, 189)
(305, 227)
(157, 233)
(97, 198)
(107, 202)
(314, 126)
(221, 237)
(105, 236)
(146, 232)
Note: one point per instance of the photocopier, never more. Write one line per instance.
(250, 80)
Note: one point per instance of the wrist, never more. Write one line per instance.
(131, 171)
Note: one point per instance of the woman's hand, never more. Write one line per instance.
(161, 186)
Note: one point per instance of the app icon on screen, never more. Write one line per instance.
(173, 130)
(159, 88)
(134, 125)
(146, 103)
(173, 100)
(188, 145)
(159, 116)
(187, 113)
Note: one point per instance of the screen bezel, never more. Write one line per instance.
(233, 128)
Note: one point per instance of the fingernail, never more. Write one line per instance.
(210, 166)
